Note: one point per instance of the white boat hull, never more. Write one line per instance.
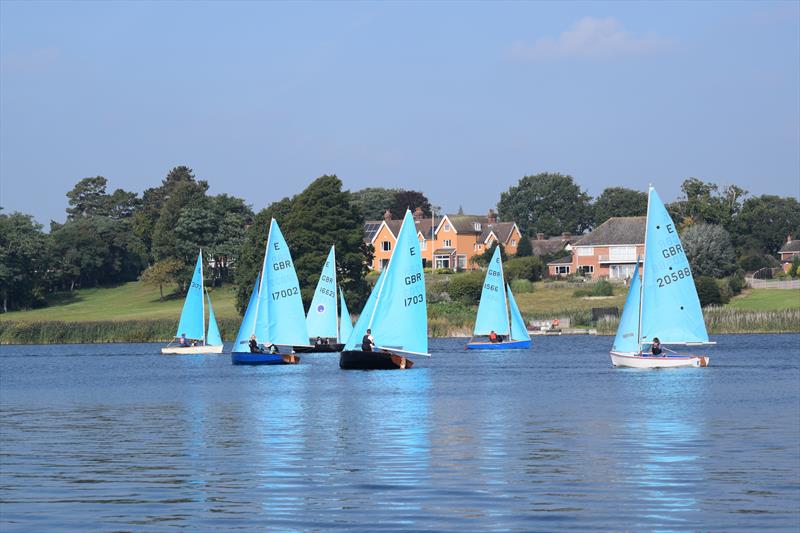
(658, 361)
(191, 350)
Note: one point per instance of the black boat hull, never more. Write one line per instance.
(358, 360)
(324, 348)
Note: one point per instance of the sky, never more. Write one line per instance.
(457, 99)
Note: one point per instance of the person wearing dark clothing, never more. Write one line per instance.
(273, 349)
(318, 342)
(254, 348)
(183, 342)
(656, 348)
(367, 342)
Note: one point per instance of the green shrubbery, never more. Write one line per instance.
(601, 288)
(466, 288)
(521, 286)
(529, 268)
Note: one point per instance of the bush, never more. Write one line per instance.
(737, 282)
(467, 287)
(443, 271)
(753, 260)
(708, 291)
(794, 269)
(603, 288)
(521, 286)
(725, 292)
(529, 268)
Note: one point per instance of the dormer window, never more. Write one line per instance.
(447, 227)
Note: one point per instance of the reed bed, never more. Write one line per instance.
(727, 320)
(53, 332)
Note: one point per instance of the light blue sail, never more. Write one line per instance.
(357, 334)
(670, 306)
(321, 319)
(492, 310)
(213, 338)
(400, 318)
(627, 339)
(280, 290)
(345, 322)
(248, 321)
(519, 331)
(192, 321)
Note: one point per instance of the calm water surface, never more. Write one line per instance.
(119, 438)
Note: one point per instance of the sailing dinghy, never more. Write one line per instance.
(493, 313)
(192, 327)
(274, 317)
(395, 312)
(663, 303)
(322, 319)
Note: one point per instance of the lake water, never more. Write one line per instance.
(119, 438)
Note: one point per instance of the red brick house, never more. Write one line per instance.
(788, 251)
(610, 251)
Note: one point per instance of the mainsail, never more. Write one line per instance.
(670, 306)
(492, 310)
(192, 321)
(248, 321)
(321, 318)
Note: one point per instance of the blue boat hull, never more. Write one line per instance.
(247, 358)
(508, 345)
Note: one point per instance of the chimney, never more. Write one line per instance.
(789, 238)
(491, 217)
(540, 236)
(387, 216)
(418, 213)
(565, 236)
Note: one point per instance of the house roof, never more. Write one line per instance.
(502, 230)
(790, 247)
(553, 244)
(616, 230)
(463, 224)
(371, 227)
(566, 260)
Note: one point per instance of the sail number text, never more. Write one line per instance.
(196, 285)
(672, 250)
(327, 292)
(283, 293)
(675, 276)
(412, 300)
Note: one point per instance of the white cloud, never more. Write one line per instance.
(593, 38)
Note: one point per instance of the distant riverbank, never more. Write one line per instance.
(455, 323)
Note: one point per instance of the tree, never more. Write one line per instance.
(524, 249)
(619, 202)
(163, 272)
(703, 202)
(373, 202)
(794, 268)
(88, 198)
(764, 222)
(23, 261)
(549, 203)
(708, 249)
(404, 199)
(529, 268)
(484, 258)
(708, 291)
(311, 222)
(165, 241)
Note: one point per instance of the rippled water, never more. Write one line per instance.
(116, 437)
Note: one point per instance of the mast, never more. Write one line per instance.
(202, 294)
(644, 259)
(335, 294)
(261, 281)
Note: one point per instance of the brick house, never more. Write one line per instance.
(550, 246)
(610, 251)
(449, 241)
(789, 250)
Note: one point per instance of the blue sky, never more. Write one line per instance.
(458, 100)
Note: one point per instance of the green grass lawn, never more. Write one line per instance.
(766, 300)
(128, 301)
(552, 298)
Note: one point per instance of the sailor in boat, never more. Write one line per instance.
(183, 342)
(656, 348)
(320, 342)
(254, 347)
(367, 342)
(493, 337)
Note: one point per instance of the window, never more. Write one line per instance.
(513, 242)
(622, 253)
(477, 226)
(586, 270)
(386, 246)
(423, 244)
(448, 243)
(462, 262)
(447, 227)
(383, 264)
(584, 250)
(441, 261)
(562, 269)
(622, 271)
